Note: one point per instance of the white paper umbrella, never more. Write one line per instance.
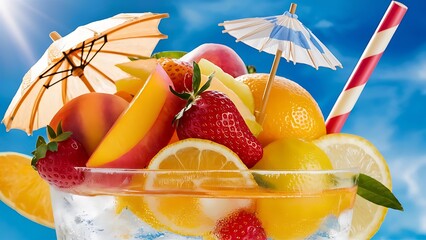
(283, 36)
(81, 62)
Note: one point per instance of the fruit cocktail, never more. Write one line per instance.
(215, 181)
(177, 153)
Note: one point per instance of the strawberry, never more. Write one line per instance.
(240, 225)
(56, 161)
(213, 116)
(180, 73)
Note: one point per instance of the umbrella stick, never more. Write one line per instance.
(260, 115)
(268, 88)
(54, 36)
(78, 72)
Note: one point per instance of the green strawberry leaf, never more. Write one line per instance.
(59, 130)
(34, 163)
(64, 136)
(375, 192)
(40, 141)
(196, 78)
(207, 84)
(51, 132)
(182, 95)
(52, 146)
(40, 151)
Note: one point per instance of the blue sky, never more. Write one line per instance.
(390, 112)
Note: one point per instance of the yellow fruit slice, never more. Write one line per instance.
(193, 216)
(140, 68)
(350, 151)
(22, 189)
(131, 85)
(240, 88)
(283, 218)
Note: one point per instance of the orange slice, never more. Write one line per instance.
(22, 189)
(189, 215)
(351, 151)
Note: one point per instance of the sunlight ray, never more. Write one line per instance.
(16, 31)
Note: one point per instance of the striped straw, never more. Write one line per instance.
(365, 66)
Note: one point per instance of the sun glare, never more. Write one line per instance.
(10, 14)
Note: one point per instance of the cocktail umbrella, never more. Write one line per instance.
(284, 36)
(81, 62)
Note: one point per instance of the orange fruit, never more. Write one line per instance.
(22, 189)
(291, 111)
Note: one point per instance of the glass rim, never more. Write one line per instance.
(354, 171)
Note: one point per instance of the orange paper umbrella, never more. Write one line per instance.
(81, 62)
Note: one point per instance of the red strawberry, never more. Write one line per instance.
(240, 225)
(56, 161)
(180, 73)
(212, 115)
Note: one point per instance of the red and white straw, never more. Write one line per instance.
(365, 66)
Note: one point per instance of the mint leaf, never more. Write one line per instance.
(262, 182)
(375, 192)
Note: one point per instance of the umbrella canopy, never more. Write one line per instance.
(283, 36)
(285, 33)
(81, 62)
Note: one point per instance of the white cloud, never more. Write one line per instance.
(199, 16)
(413, 69)
(409, 176)
(323, 24)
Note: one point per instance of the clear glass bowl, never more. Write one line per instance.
(160, 204)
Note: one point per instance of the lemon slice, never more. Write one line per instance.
(350, 151)
(22, 189)
(194, 216)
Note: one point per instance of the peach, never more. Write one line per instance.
(143, 129)
(222, 56)
(89, 117)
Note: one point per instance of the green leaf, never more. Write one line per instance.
(262, 182)
(137, 58)
(207, 84)
(51, 132)
(40, 141)
(64, 136)
(52, 146)
(59, 130)
(375, 192)
(251, 69)
(182, 95)
(196, 78)
(169, 54)
(40, 152)
(34, 163)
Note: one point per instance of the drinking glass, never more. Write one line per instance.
(189, 204)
